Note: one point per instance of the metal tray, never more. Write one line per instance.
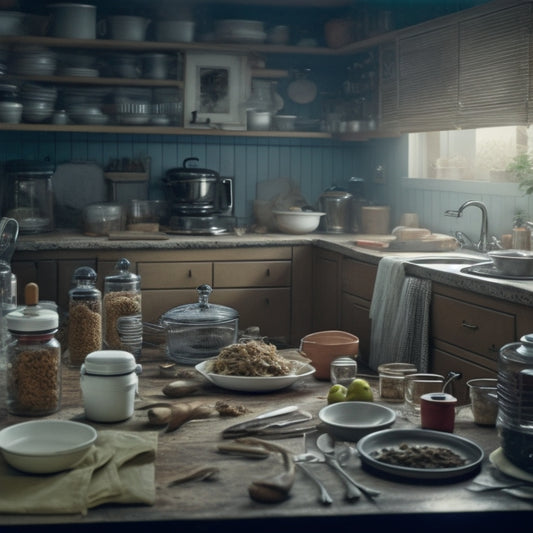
(391, 438)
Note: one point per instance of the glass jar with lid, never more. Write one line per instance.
(122, 298)
(85, 316)
(33, 358)
(515, 405)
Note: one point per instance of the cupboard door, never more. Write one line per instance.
(157, 302)
(326, 290)
(355, 320)
(270, 309)
(252, 274)
(174, 275)
(358, 278)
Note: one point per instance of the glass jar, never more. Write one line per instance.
(122, 298)
(85, 316)
(392, 380)
(515, 402)
(33, 360)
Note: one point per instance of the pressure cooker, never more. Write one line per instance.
(198, 191)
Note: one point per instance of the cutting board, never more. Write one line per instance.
(436, 242)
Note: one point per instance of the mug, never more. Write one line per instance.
(416, 385)
(437, 411)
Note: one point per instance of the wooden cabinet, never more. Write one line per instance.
(358, 280)
(467, 331)
(326, 289)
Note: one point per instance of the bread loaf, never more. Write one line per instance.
(405, 233)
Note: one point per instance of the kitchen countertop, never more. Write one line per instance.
(516, 291)
(224, 502)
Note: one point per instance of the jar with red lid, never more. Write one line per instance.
(33, 359)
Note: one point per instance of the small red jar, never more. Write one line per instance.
(437, 411)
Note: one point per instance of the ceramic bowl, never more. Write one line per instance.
(46, 446)
(350, 421)
(10, 112)
(513, 262)
(297, 222)
(322, 347)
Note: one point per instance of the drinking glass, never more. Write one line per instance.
(417, 385)
(343, 371)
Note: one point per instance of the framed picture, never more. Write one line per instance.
(216, 89)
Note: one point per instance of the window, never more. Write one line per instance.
(477, 155)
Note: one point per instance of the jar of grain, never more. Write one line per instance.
(33, 359)
(85, 316)
(122, 298)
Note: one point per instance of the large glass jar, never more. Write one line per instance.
(85, 316)
(33, 359)
(515, 401)
(122, 310)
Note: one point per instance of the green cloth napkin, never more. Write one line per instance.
(118, 468)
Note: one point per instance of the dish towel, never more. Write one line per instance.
(118, 468)
(400, 316)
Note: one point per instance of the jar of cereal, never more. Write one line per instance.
(85, 316)
(33, 358)
(122, 298)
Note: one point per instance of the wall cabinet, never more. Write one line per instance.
(467, 331)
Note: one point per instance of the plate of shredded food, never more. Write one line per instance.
(420, 453)
(253, 366)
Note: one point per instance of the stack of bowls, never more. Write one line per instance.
(10, 112)
(38, 102)
(33, 61)
(168, 103)
(87, 114)
(133, 113)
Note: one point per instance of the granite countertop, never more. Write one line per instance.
(516, 291)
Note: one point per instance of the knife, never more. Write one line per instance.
(262, 421)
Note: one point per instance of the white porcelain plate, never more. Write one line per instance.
(255, 384)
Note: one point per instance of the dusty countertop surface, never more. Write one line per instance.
(517, 291)
(224, 502)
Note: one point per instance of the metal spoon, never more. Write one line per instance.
(326, 445)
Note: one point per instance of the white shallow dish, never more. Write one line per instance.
(392, 438)
(255, 384)
(297, 222)
(46, 446)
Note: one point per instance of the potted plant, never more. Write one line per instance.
(521, 166)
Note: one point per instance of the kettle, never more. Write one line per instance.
(337, 205)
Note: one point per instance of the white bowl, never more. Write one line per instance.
(350, 421)
(46, 446)
(513, 262)
(297, 222)
(10, 112)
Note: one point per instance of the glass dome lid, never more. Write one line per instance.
(202, 312)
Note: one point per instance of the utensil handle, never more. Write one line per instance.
(370, 493)
(325, 497)
(352, 490)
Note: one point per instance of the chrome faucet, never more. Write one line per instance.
(482, 245)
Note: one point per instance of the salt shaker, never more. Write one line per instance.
(122, 298)
(85, 316)
(33, 358)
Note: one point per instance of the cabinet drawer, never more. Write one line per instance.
(174, 275)
(471, 327)
(358, 278)
(252, 274)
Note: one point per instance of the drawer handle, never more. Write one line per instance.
(469, 326)
(268, 272)
(267, 301)
(190, 273)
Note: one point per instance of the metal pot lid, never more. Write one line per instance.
(110, 363)
(189, 172)
(200, 313)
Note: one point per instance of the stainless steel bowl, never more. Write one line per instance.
(517, 263)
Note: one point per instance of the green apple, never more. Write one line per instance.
(337, 393)
(359, 391)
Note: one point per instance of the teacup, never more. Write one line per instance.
(416, 385)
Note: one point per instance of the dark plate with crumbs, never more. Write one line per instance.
(371, 446)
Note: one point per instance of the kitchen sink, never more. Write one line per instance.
(449, 263)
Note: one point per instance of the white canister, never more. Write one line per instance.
(109, 382)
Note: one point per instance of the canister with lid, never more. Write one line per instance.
(515, 401)
(85, 316)
(122, 298)
(109, 383)
(33, 358)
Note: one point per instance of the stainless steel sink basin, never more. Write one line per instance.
(449, 260)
